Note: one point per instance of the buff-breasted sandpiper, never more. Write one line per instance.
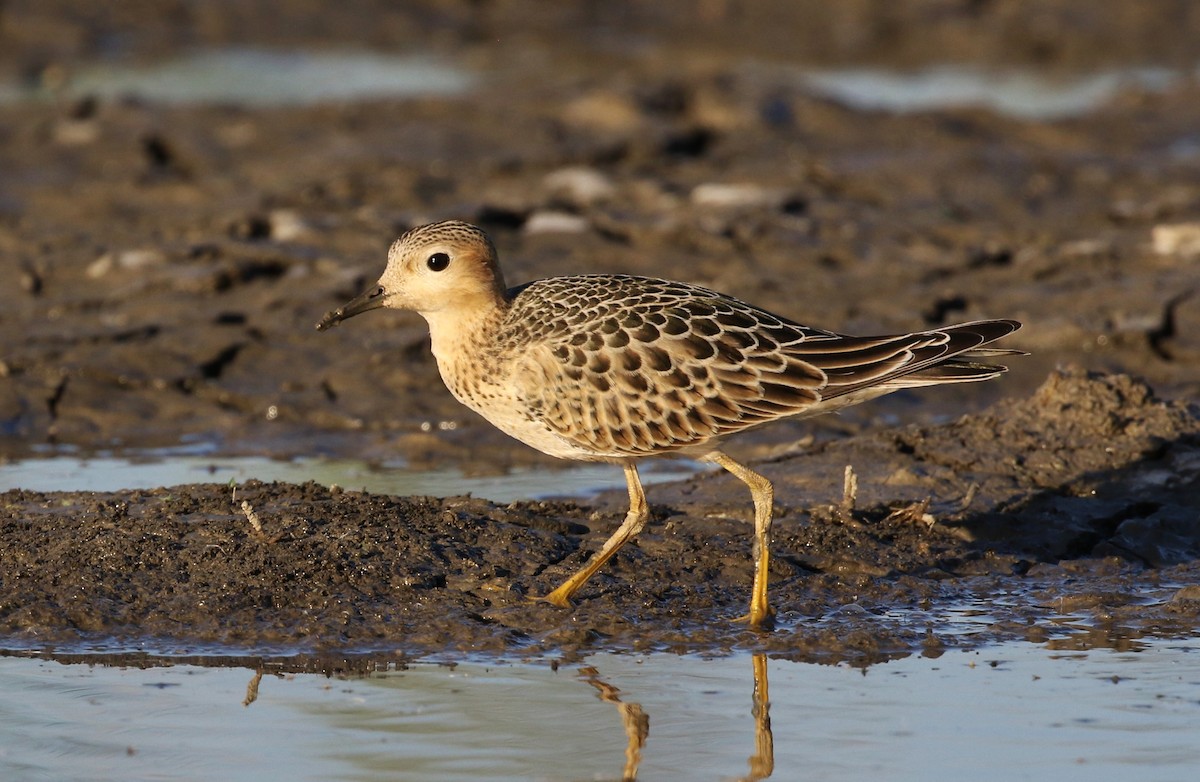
(614, 368)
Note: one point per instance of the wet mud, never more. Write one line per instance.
(165, 267)
(1015, 514)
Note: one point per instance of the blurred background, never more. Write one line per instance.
(187, 186)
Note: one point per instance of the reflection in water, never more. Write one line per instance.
(762, 762)
(252, 688)
(635, 721)
(138, 716)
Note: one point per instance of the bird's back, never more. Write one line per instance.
(610, 367)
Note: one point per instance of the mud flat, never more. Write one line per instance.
(1066, 517)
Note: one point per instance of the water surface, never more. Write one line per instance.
(1015, 711)
(151, 470)
(1025, 94)
(262, 77)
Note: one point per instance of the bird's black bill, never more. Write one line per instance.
(368, 300)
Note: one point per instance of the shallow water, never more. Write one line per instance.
(1026, 94)
(266, 77)
(262, 77)
(108, 473)
(1017, 711)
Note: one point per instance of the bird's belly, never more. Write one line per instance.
(500, 404)
(509, 419)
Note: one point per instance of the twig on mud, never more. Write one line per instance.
(917, 512)
(252, 517)
(849, 491)
(842, 512)
(256, 523)
(969, 497)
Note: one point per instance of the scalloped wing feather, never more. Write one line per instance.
(628, 366)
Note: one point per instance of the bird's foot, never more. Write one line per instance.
(553, 599)
(765, 620)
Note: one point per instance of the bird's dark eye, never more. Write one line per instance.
(438, 261)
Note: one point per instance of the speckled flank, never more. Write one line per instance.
(614, 367)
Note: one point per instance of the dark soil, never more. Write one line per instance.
(165, 266)
(1014, 512)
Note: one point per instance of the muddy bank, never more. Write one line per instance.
(1071, 519)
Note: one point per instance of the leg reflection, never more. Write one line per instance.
(635, 721)
(762, 762)
(252, 688)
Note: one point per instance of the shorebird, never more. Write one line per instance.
(616, 368)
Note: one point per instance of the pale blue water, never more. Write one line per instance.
(1011, 712)
(1027, 94)
(267, 77)
(262, 77)
(110, 473)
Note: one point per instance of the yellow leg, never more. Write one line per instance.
(639, 513)
(763, 493)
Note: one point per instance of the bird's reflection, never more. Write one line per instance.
(637, 723)
(762, 762)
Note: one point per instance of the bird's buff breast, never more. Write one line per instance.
(491, 386)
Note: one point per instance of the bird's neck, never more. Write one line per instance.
(459, 334)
